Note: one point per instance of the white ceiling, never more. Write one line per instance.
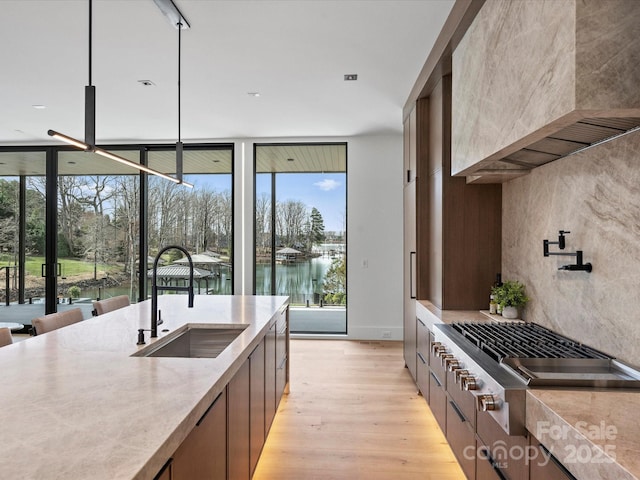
(294, 52)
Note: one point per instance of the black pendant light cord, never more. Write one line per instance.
(179, 69)
(90, 37)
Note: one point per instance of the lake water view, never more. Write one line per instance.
(302, 281)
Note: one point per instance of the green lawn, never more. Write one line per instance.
(69, 266)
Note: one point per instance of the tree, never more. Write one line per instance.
(263, 222)
(316, 232)
(334, 285)
(290, 222)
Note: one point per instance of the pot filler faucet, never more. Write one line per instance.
(579, 266)
(155, 287)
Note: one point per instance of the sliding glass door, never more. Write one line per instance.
(22, 234)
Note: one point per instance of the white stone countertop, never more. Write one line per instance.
(75, 405)
(594, 433)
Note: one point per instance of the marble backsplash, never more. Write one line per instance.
(596, 196)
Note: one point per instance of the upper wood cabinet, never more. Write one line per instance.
(536, 80)
(410, 150)
(458, 226)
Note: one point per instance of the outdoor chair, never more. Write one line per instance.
(53, 321)
(110, 304)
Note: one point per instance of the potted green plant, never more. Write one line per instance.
(510, 296)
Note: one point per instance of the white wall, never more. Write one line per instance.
(374, 229)
(374, 223)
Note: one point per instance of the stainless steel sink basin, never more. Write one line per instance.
(194, 341)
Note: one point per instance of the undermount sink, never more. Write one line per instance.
(194, 341)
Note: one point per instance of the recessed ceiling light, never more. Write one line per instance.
(253, 94)
(348, 77)
(146, 83)
(39, 107)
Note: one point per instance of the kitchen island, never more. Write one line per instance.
(76, 404)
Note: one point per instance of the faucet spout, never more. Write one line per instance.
(155, 287)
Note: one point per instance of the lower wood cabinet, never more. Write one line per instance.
(238, 431)
(227, 441)
(544, 466)
(270, 376)
(203, 454)
(256, 405)
(282, 354)
(422, 353)
(461, 436)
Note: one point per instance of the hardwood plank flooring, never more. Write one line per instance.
(354, 413)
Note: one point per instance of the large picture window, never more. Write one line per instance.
(300, 232)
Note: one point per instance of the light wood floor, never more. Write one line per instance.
(353, 413)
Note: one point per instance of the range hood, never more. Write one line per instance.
(575, 138)
(533, 84)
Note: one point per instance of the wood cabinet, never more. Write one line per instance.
(437, 393)
(458, 226)
(544, 466)
(270, 376)
(282, 354)
(256, 404)
(165, 473)
(500, 446)
(227, 441)
(422, 354)
(238, 412)
(462, 439)
(203, 454)
(410, 284)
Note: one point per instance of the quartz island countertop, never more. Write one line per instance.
(76, 405)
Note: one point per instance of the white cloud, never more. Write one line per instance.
(327, 184)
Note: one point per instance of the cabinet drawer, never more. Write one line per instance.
(464, 400)
(462, 439)
(423, 340)
(505, 450)
(438, 400)
(422, 375)
(544, 466)
(436, 364)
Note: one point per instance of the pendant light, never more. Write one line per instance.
(89, 144)
(177, 20)
(179, 142)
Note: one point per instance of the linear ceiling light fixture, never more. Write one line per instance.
(90, 148)
(89, 144)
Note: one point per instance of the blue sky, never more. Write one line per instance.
(325, 191)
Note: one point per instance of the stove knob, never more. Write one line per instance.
(436, 347)
(444, 357)
(451, 364)
(486, 402)
(461, 372)
(469, 382)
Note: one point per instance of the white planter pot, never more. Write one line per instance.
(510, 312)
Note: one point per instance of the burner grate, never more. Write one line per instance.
(523, 340)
